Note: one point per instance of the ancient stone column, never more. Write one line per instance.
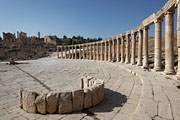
(145, 47)
(97, 51)
(91, 57)
(169, 42)
(178, 37)
(75, 52)
(133, 51)
(61, 52)
(72, 51)
(69, 48)
(122, 49)
(118, 49)
(57, 52)
(83, 51)
(113, 48)
(110, 54)
(105, 52)
(140, 48)
(87, 51)
(127, 49)
(80, 52)
(102, 49)
(157, 45)
(94, 54)
(65, 52)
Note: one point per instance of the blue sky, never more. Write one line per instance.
(88, 18)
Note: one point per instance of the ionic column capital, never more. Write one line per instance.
(169, 12)
(146, 28)
(158, 20)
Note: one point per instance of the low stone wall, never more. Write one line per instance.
(91, 93)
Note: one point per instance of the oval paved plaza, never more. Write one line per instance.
(130, 92)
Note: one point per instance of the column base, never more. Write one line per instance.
(172, 72)
(139, 64)
(145, 67)
(158, 69)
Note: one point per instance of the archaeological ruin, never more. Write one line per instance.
(131, 47)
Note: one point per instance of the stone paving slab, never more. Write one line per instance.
(130, 92)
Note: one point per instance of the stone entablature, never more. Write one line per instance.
(90, 93)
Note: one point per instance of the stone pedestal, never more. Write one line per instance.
(140, 48)
(145, 48)
(127, 49)
(122, 49)
(169, 42)
(157, 44)
(133, 62)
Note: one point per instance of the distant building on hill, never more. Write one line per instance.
(53, 39)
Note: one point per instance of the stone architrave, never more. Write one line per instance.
(78, 100)
(169, 42)
(87, 98)
(41, 103)
(52, 102)
(28, 101)
(65, 102)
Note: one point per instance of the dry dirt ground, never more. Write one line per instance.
(130, 92)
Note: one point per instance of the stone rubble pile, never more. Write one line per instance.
(90, 93)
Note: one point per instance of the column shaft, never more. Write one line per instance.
(80, 52)
(145, 48)
(157, 45)
(97, 51)
(65, 52)
(122, 49)
(94, 54)
(127, 49)
(83, 51)
(57, 52)
(105, 52)
(69, 56)
(75, 52)
(91, 57)
(109, 54)
(61, 52)
(178, 37)
(118, 50)
(169, 43)
(133, 61)
(140, 48)
(102, 56)
(113, 49)
(87, 52)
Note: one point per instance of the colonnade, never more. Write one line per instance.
(131, 47)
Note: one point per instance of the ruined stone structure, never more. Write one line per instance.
(51, 40)
(90, 93)
(118, 48)
(9, 37)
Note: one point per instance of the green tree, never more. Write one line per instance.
(64, 37)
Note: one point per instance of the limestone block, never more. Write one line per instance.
(97, 95)
(28, 101)
(65, 102)
(78, 99)
(87, 98)
(52, 102)
(41, 103)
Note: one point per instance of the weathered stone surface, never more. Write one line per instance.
(28, 101)
(65, 102)
(20, 98)
(41, 103)
(81, 83)
(78, 100)
(87, 98)
(96, 94)
(86, 82)
(52, 102)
